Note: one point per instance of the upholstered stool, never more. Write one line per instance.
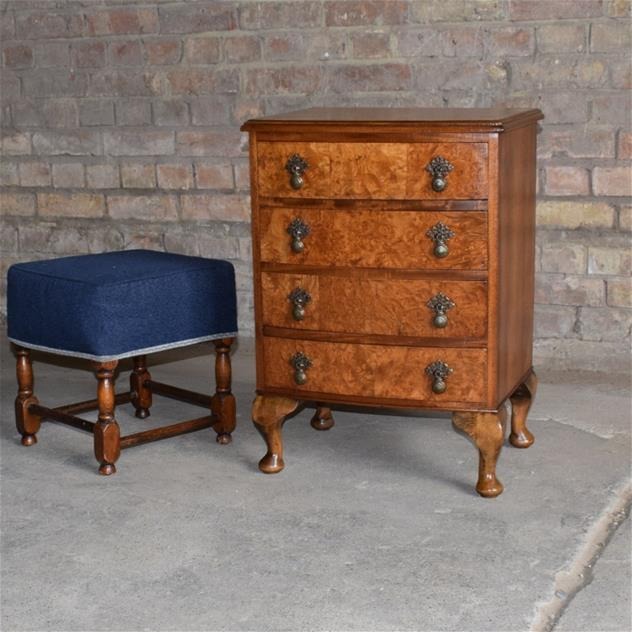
(117, 305)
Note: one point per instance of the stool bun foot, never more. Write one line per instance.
(107, 435)
(268, 414)
(26, 422)
(142, 413)
(224, 438)
(322, 419)
(28, 439)
(107, 469)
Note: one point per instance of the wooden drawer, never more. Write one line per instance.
(375, 305)
(373, 170)
(375, 371)
(374, 239)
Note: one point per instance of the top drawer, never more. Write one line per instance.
(404, 171)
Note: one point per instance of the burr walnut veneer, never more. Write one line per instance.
(393, 261)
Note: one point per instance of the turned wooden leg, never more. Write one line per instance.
(487, 430)
(141, 394)
(322, 419)
(268, 415)
(27, 423)
(223, 401)
(521, 401)
(107, 436)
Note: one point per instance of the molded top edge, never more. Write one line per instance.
(465, 119)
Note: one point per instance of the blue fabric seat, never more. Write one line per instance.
(120, 304)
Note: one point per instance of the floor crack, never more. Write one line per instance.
(579, 573)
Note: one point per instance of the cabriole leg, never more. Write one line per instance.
(521, 401)
(223, 401)
(27, 423)
(141, 394)
(487, 431)
(322, 419)
(268, 415)
(107, 435)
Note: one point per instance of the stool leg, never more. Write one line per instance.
(27, 423)
(223, 401)
(322, 419)
(141, 394)
(107, 436)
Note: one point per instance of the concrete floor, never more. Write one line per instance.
(373, 525)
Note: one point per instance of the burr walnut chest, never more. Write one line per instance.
(393, 267)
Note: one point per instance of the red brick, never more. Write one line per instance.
(138, 143)
(464, 41)
(68, 175)
(364, 13)
(198, 17)
(370, 78)
(128, 82)
(122, 21)
(276, 15)
(138, 176)
(624, 145)
(102, 176)
(70, 204)
(175, 176)
(285, 46)
(242, 48)
(612, 181)
(211, 176)
(212, 207)
(17, 56)
(17, 203)
(552, 10)
(88, 54)
(156, 208)
(34, 174)
(371, 45)
(202, 50)
(216, 143)
(162, 52)
(566, 181)
(202, 81)
(126, 53)
(511, 41)
(48, 25)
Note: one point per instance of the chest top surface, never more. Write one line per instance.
(464, 119)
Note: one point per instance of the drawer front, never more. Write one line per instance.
(375, 239)
(375, 371)
(374, 170)
(379, 306)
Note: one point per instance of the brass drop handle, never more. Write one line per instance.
(300, 363)
(438, 372)
(299, 299)
(440, 304)
(439, 168)
(296, 166)
(298, 230)
(440, 234)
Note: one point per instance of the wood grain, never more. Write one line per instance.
(380, 170)
(374, 239)
(386, 306)
(375, 370)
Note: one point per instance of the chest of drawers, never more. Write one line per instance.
(393, 267)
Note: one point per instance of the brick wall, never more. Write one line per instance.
(120, 125)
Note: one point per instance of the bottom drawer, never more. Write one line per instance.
(376, 371)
